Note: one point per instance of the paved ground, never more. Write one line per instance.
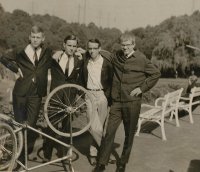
(180, 153)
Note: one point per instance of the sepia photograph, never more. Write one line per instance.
(99, 85)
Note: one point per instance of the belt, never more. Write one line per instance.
(94, 89)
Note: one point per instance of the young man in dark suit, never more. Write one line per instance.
(65, 69)
(31, 65)
(97, 78)
(134, 74)
(66, 65)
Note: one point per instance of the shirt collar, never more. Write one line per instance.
(130, 54)
(31, 48)
(65, 56)
(99, 59)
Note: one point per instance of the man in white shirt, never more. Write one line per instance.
(97, 78)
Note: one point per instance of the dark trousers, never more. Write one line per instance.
(128, 112)
(27, 109)
(48, 144)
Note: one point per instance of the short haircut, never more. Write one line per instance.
(127, 37)
(71, 37)
(95, 40)
(36, 29)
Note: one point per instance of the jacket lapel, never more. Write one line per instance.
(24, 55)
(57, 66)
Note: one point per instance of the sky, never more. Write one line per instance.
(122, 14)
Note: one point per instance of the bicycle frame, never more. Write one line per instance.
(26, 127)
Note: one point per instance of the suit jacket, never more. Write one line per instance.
(18, 59)
(106, 73)
(58, 77)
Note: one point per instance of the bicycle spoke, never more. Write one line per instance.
(6, 150)
(79, 97)
(59, 120)
(59, 103)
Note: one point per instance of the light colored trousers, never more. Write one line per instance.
(99, 117)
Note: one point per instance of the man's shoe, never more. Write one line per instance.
(99, 168)
(44, 160)
(92, 160)
(121, 168)
(32, 157)
(112, 161)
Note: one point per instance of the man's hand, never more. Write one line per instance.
(80, 50)
(19, 74)
(79, 53)
(136, 92)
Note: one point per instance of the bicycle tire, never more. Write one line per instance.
(69, 100)
(19, 134)
(8, 147)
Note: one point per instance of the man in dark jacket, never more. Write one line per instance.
(97, 78)
(134, 74)
(31, 64)
(65, 69)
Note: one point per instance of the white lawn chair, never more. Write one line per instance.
(188, 102)
(162, 108)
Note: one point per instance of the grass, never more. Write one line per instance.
(163, 86)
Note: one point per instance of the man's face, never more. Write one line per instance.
(36, 39)
(93, 49)
(127, 47)
(70, 47)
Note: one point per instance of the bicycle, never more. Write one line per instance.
(66, 102)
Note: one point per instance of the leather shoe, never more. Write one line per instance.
(32, 157)
(112, 161)
(99, 168)
(92, 160)
(121, 168)
(44, 160)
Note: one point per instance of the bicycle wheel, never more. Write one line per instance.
(17, 131)
(8, 147)
(69, 102)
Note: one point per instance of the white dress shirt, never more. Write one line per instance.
(63, 62)
(94, 73)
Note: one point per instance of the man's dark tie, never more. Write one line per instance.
(67, 67)
(35, 57)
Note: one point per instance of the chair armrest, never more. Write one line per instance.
(184, 98)
(159, 100)
(146, 105)
(150, 106)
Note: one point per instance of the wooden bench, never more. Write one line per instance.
(186, 103)
(163, 107)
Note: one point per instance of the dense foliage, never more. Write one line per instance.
(165, 44)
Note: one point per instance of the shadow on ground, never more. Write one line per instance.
(194, 166)
(82, 144)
